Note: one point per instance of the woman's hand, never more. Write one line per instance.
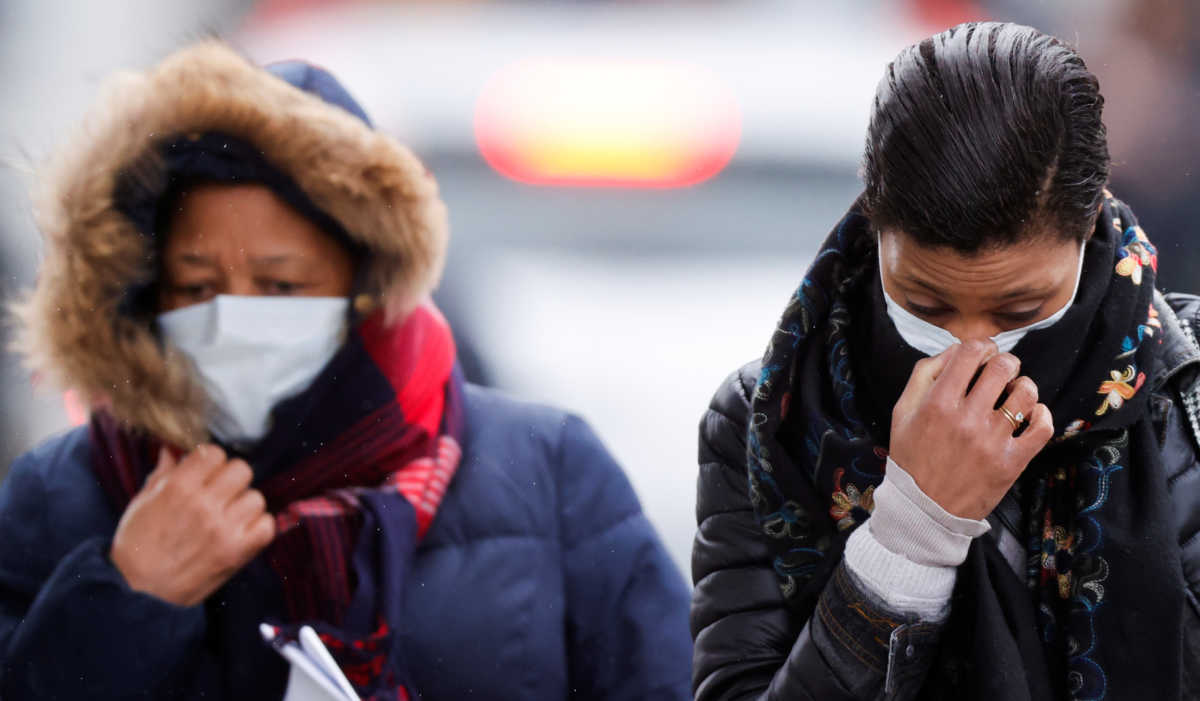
(957, 446)
(192, 526)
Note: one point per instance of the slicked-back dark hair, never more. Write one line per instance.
(986, 135)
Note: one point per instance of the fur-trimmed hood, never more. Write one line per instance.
(72, 327)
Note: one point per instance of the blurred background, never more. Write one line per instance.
(635, 188)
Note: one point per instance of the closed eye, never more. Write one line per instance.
(199, 290)
(928, 312)
(281, 287)
(1020, 317)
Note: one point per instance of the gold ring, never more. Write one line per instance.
(1014, 419)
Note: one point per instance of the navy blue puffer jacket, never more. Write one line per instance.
(539, 579)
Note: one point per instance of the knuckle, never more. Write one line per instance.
(210, 453)
(196, 458)
(257, 501)
(975, 346)
(1042, 424)
(241, 469)
(257, 536)
(1028, 387)
(1006, 363)
(266, 533)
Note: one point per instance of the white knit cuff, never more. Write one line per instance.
(901, 584)
(909, 523)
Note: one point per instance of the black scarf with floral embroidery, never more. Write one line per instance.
(1098, 613)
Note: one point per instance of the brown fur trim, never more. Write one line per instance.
(70, 326)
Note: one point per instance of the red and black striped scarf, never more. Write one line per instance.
(354, 471)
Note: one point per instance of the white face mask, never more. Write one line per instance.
(253, 352)
(932, 339)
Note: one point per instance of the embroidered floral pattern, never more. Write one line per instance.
(1119, 388)
(1136, 253)
(1067, 564)
(1086, 679)
(1144, 331)
(789, 521)
(850, 506)
(1075, 428)
(1057, 547)
(1152, 321)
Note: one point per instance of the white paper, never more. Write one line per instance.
(313, 676)
(311, 643)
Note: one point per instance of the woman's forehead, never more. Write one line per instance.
(249, 218)
(1027, 267)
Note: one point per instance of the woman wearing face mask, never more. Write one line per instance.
(237, 275)
(966, 465)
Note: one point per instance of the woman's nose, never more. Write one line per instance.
(973, 328)
(239, 283)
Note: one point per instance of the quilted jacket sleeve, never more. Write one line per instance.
(748, 643)
(70, 626)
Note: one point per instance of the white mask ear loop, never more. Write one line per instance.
(932, 339)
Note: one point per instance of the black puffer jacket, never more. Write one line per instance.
(748, 644)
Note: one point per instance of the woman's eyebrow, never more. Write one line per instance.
(273, 259)
(196, 259)
(929, 287)
(1021, 292)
